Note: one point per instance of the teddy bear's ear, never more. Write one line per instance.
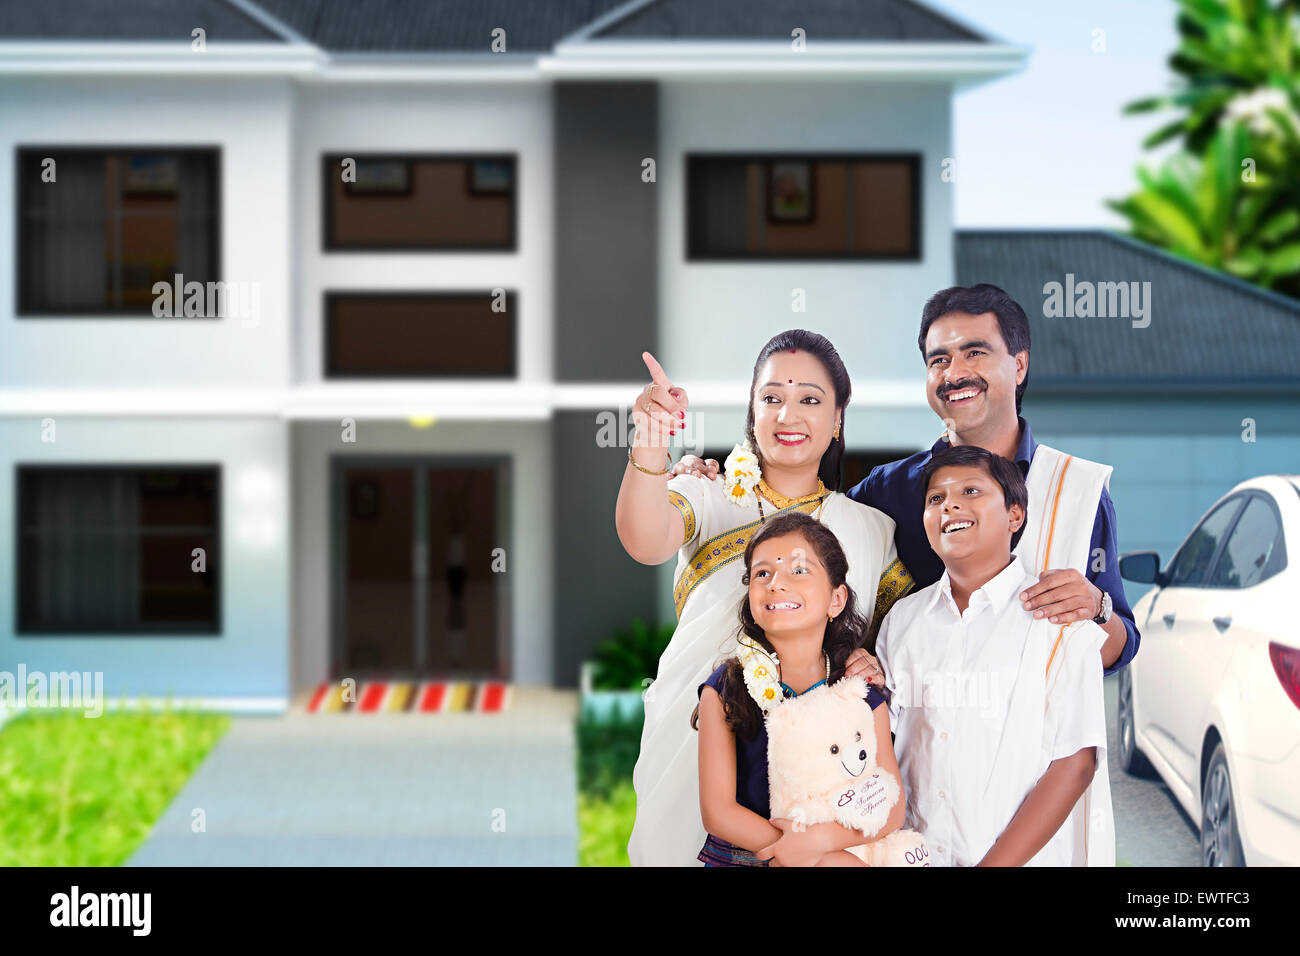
(851, 687)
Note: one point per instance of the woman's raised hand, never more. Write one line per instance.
(660, 409)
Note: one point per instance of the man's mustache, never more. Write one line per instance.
(943, 390)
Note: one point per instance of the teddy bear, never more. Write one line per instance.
(821, 766)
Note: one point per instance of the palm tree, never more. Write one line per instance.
(1236, 58)
(1205, 209)
(1231, 199)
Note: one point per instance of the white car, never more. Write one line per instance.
(1211, 702)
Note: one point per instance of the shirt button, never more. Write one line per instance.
(943, 735)
(941, 796)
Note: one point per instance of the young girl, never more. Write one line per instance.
(800, 610)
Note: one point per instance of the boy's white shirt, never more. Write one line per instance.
(972, 749)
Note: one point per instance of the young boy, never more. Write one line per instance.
(999, 719)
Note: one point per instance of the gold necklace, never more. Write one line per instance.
(784, 501)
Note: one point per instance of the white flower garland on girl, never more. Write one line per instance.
(761, 670)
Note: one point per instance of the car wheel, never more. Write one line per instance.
(1131, 760)
(1220, 840)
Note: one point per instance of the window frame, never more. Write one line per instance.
(330, 372)
(23, 629)
(329, 163)
(913, 159)
(21, 253)
(1218, 554)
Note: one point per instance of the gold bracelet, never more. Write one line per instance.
(668, 467)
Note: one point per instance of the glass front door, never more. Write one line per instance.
(418, 574)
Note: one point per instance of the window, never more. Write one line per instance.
(394, 202)
(110, 549)
(108, 224)
(1254, 550)
(803, 207)
(1193, 559)
(453, 334)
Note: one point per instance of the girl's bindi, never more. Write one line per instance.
(789, 381)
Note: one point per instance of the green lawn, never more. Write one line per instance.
(78, 791)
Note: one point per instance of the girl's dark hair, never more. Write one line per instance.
(844, 634)
(820, 348)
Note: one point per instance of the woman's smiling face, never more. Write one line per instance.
(794, 410)
(789, 588)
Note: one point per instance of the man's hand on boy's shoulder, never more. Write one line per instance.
(1063, 596)
(699, 467)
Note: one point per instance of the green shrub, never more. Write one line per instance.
(633, 655)
(607, 752)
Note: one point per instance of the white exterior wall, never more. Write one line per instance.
(716, 315)
(428, 117)
(249, 659)
(250, 121)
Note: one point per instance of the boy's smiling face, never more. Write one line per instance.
(789, 588)
(966, 514)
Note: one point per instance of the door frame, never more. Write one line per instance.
(339, 464)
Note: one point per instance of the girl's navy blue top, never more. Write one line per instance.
(751, 755)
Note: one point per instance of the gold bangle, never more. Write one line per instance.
(667, 468)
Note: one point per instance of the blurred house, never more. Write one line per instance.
(321, 313)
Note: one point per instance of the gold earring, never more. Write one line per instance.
(837, 431)
(829, 618)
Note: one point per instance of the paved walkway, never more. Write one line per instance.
(383, 790)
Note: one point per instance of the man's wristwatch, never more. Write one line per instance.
(1104, 616)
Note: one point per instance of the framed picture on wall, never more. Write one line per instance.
(381, 177)
(150, 176)
(490, 177)
(789, 192)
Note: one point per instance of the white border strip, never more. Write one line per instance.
(463, 401)
(164, 56)
(229, 705)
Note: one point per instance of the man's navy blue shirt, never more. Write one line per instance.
(895, 488)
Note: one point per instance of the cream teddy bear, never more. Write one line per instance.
(821, 766)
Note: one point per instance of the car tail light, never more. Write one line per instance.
(1286, 661)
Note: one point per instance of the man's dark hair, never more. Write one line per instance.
(1005, 473)
(976, 300)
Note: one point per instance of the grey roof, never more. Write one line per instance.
(774, 19)
(1206, 328)
(465, 26)
(454, 26)
(70, 20)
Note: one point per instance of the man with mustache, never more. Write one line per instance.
(975, 343)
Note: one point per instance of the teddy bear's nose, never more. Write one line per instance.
(862, 755)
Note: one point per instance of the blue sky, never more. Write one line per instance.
(1047, 147)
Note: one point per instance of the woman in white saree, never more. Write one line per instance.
(795, 443)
